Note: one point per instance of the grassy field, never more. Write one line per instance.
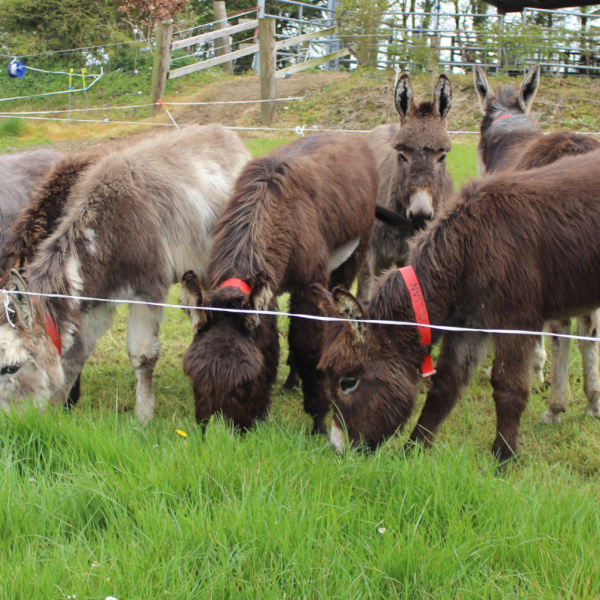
(95, 506)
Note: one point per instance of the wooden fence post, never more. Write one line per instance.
(268, 83)
(162, 61)
(222, 45)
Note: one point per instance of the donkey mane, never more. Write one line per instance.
(251, 218)
(39, 218)
(239, 234)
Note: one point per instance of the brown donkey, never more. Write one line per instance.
(413, 179)
(130, 227)
(507, 255)
(510, 140)
(302, 214)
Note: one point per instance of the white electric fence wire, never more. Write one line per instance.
(298, 129)
(56, 72)
(71, 50)
(302, 316)
(97, 78)
(106, 108)
(170, 115)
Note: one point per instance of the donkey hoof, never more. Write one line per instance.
(144, 415)
(291, 383)
(504, 455)
(319, 426)
(552, 417)
(593, 411)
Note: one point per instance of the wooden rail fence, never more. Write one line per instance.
(267, 48)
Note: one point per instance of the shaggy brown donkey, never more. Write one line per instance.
(507, 255)
(511, 140)
(413, 179)
(302, 214)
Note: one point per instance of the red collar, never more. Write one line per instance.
(52, 330)
(237, 283)
(418, 303)
(502, 117)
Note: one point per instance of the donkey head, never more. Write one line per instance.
(504, 112)
(30, 365)
(373, 393)
(230, 359)
(422, 143)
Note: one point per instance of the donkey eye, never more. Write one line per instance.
(348, 384)
(10, 370)
(402, 157)
(442, 158)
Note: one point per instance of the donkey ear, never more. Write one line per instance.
(391, 217)
(403, 97)
(191, 294)
(21, 301)
(323, 300)
(442, 97)
(350, 308)
(529, 88)
(260, 297)
(482, 87)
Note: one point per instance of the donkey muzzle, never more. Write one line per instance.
(421, 206)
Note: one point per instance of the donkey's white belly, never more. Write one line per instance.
(340, 255)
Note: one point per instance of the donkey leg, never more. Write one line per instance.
(459, 357)
(365, 277)
(94, 326)
(539, 359)
(143, 347)
(589, 326)
(293, 378)
(510, 380)
(306, 341)
(559, 371)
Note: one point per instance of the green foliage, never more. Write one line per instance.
(49, 25)
(359, 22)
(13, 127)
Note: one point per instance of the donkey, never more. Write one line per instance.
(20, 174)
(41, 215)
(510, 140)
(302, 214)
(131, 226)
(507, 255)
(413, 179)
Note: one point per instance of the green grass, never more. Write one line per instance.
(93, 505)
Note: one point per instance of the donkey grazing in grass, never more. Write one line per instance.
(506, 255)
(510, 140)
(41, 215)
(302, 214)
(131, 226)
(413, 179)
(20, 174)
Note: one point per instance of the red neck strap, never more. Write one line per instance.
(52, 330)
(421, 316)
(502, 117)
(237, 283)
